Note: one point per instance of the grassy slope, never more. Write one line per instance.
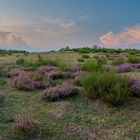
(79, 117)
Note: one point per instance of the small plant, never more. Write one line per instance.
(26, 124)
(2, 96)
(133, 59)
(64, 66)
(59, 92)
(85, 56)
(23, 82)
(20, 61)
(14, 73)
(91, 65)
(108, 86)
(135, 87)
(101, 59)
(41, 60)
(118, 62)
(124, 68)
(80, 60)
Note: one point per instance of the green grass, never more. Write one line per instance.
(73, 118)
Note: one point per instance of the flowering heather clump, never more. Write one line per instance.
(14, 73)
(135, 87)
(45, 69)
(59, 92)
(124, 68)
(127, 67)
(26, 124)
(2, 97)
(23, 82)
(41, 84)
(54, 75)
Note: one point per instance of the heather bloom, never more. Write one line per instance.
(45, 69)
(23, 82)
(124, 68)
(26, 124)
(2, 97)
(135, 87)
(59, 92)
(14, 73)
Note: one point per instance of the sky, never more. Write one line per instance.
(42, 25)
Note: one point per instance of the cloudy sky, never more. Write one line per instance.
(40, 25)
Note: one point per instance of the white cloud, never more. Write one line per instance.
(129, 36)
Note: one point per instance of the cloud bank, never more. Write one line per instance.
(128, 37)
(8, 40)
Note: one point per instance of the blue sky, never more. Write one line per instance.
(52, 24)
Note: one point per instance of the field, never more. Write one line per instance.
(71, 117)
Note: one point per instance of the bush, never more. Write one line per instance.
(118, 62)
(41, 60)
(108, 86)
(80, 60)
(91, 65)
(20, 61)
(85, 56)
(14, 73)
(64, 66)
(101, 59)
(2, 96)
(23, 82)
(59, 92)
(133, 59)
(124, 68)
(134, 87)
(26, 124)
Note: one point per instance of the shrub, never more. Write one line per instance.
(59, 92)
(124, 68)
(101, 59)
(44, 69)
(14, 73)
(117, 62)
(20, 61)
(134, 87)
(91, 65)
(2, 96)
(108, 86)
(41, 84)
(76, 67)
(133, 59)
(41, 60)
(80, 60)
(64, 66)
(85, 56)
(23, 82)
(26, 124)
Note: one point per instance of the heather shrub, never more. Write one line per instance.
(59, 92)
(45, 69)
(134, 87)
(2, 96)
(41, 84)
(133, 59)
(107, 86)
(85, 56)
(23, 82)
(110, 68)
(118, 62)
(14, 73)
(91, 65)
(124, 68)
(26, 124)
